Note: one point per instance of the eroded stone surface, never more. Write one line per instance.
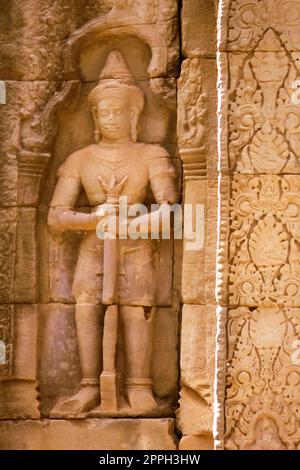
(198, 28)
(123, 434)
(196, 443)
(197, 366)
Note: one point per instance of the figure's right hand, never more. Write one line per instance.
(107, 216)
(104, 210)
(101, 213)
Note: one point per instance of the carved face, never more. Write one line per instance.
(114, 118)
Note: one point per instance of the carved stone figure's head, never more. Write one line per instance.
(116, 102)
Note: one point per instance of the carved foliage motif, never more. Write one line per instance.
(263, 375)
(34, 131)
(263, 400)
(248, 19)
(32, 128)
(6, 341)
(7, 253)
(191, 105)
(264, 241)
(192, 111)
(264, 121)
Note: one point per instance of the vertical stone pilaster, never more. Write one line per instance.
(260, 157)
(197, 128)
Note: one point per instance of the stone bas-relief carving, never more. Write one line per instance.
(262, 156)
(196, 109)
(115, 282)
(262, 403)
(264, 242)
(41, 30)
(6, 341)
(192, 107)
(258, 218)
(264, 118)
(249, 19)
(192, 114)
(53, 53)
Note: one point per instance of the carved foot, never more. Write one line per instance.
(87, 398)
(141, 397)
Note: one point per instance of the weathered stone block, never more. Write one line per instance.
(197, 369)
(198, 28)
(98, 434)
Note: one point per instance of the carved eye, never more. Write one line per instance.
(104, 113)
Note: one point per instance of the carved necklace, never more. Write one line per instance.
(112, 155)
(110, 150)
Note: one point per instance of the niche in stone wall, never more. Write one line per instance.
(59, 369)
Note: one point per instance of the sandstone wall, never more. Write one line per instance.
(220, 80)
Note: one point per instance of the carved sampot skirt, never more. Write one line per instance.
(136, 279)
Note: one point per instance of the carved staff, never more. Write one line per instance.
(109, 379)
(110, 262)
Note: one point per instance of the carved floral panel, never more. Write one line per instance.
(264, 240)
(263, 371)
(264, 115)
(249, 19)
(263, 377)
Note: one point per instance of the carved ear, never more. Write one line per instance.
(94, 111)
(134, 124)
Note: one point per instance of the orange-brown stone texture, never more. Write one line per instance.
(108, 342)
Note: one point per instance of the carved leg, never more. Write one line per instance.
(109, 379)
(89, 325)
(138, 333)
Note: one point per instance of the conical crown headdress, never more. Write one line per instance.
(115, 67)
(117, 79)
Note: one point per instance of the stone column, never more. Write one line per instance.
(197, 130)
